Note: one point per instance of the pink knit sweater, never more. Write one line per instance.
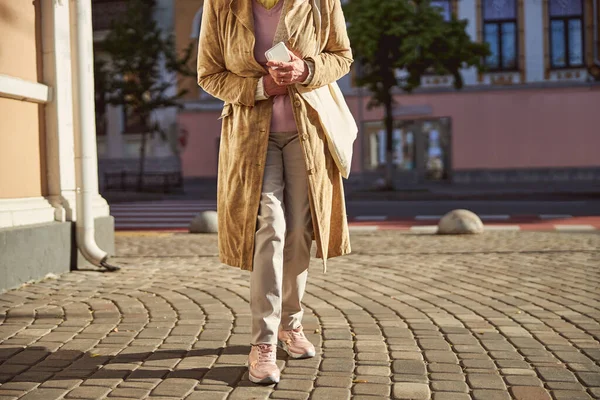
(265, 25)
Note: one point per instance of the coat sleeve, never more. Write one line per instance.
(336, 58)
(213, 76)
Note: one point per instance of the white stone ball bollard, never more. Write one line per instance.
(204, 222)
(460, 222)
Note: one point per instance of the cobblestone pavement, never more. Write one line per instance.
(406, 316)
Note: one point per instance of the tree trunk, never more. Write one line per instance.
(389, 145)
(141, 169)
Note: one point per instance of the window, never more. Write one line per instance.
(421, 148)
(403, 143)
(566, 33)
(500, 32)
(445, 7)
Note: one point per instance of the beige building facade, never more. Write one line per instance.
(40, 128)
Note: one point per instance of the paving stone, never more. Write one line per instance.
(589, 378)
(485, 381)
(484, 394)
(575, 386)
(18, 386)
(289, 395)
(330, 381)
(517, 380)
(412, 391)
(556, 374)
(407, 355)
(88, 392)
(328, 393)
(447, 368)
(595, 392)
(441, 357)
(252, 392)
(337, 365)
(412, 367)
(518, 371)
(450, 396)
(175, 387)
(373, 370)
(449, 386)
(442, 376)
(371, 388)
(570, 395)
(44, 394)
(295, 385)
(405, 378)
(300, 371)
(207, 396)
(135, 393)
(530, 393)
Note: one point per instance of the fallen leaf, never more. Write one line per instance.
(360, 381)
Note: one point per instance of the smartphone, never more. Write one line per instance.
(279, 52)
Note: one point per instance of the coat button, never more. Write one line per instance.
(263, 130)
(304, 136)
(297, 103)
(311, 171)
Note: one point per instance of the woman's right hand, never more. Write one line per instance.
(272, 88)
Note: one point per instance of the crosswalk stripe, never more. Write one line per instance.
(502, 228)
(574, 227)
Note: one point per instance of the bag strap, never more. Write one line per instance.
(316, 6)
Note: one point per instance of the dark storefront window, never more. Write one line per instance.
(421, 147)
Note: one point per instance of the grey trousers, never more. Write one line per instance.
(282, 241)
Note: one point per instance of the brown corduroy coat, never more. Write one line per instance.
(228, 70)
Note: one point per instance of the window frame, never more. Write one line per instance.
(565, 21)
(499, 41)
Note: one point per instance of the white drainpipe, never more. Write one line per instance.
(86, 156)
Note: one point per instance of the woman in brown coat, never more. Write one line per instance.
(278, 186)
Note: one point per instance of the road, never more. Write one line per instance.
(511, 215)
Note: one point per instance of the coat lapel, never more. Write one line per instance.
(292, 10)
(242, 9)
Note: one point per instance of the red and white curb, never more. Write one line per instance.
(177, 215)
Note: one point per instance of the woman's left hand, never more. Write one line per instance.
(288, 73)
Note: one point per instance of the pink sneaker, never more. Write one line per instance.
(261, 364)
(296, 344)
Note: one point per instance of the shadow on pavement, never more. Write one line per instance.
(38, 364)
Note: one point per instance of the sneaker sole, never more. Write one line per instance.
(285, 348)
(269, 380)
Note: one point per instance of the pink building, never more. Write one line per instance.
(534, 117)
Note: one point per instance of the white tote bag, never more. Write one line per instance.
(336, 118)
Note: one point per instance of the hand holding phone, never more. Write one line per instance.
(279, 52)
(285, 67)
